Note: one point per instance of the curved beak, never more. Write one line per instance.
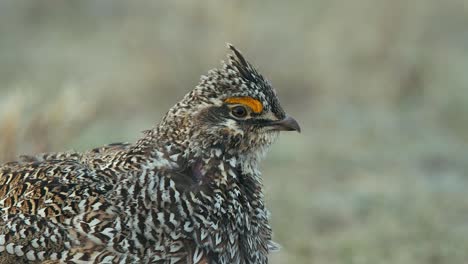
(286, 124)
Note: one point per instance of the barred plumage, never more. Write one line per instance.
(189, 191)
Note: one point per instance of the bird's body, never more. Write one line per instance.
(189, 191)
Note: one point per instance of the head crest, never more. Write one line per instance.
(245, 69)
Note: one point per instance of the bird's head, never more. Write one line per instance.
(233, 108)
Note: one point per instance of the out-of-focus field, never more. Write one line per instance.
(380, 172)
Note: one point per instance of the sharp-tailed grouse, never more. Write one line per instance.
(189, 191)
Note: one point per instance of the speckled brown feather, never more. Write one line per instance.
(189, 191)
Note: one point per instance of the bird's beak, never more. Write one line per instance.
(286, 124)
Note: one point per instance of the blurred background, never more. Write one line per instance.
(380, 87)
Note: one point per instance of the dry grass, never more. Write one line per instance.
(379, 173)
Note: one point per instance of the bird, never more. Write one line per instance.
(188, 191)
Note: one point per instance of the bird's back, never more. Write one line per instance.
(100, 206)
(54, 202)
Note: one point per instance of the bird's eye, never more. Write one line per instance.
(239, 111)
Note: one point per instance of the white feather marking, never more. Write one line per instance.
(34, 243)
(10, 248)
(30, 255)
(41, 255)
(197, 255)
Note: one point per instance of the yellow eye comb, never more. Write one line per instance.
(254, 104)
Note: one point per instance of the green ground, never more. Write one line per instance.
(380, 172)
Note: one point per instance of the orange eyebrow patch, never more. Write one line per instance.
(254, 104)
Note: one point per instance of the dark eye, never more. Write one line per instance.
(239, 111)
